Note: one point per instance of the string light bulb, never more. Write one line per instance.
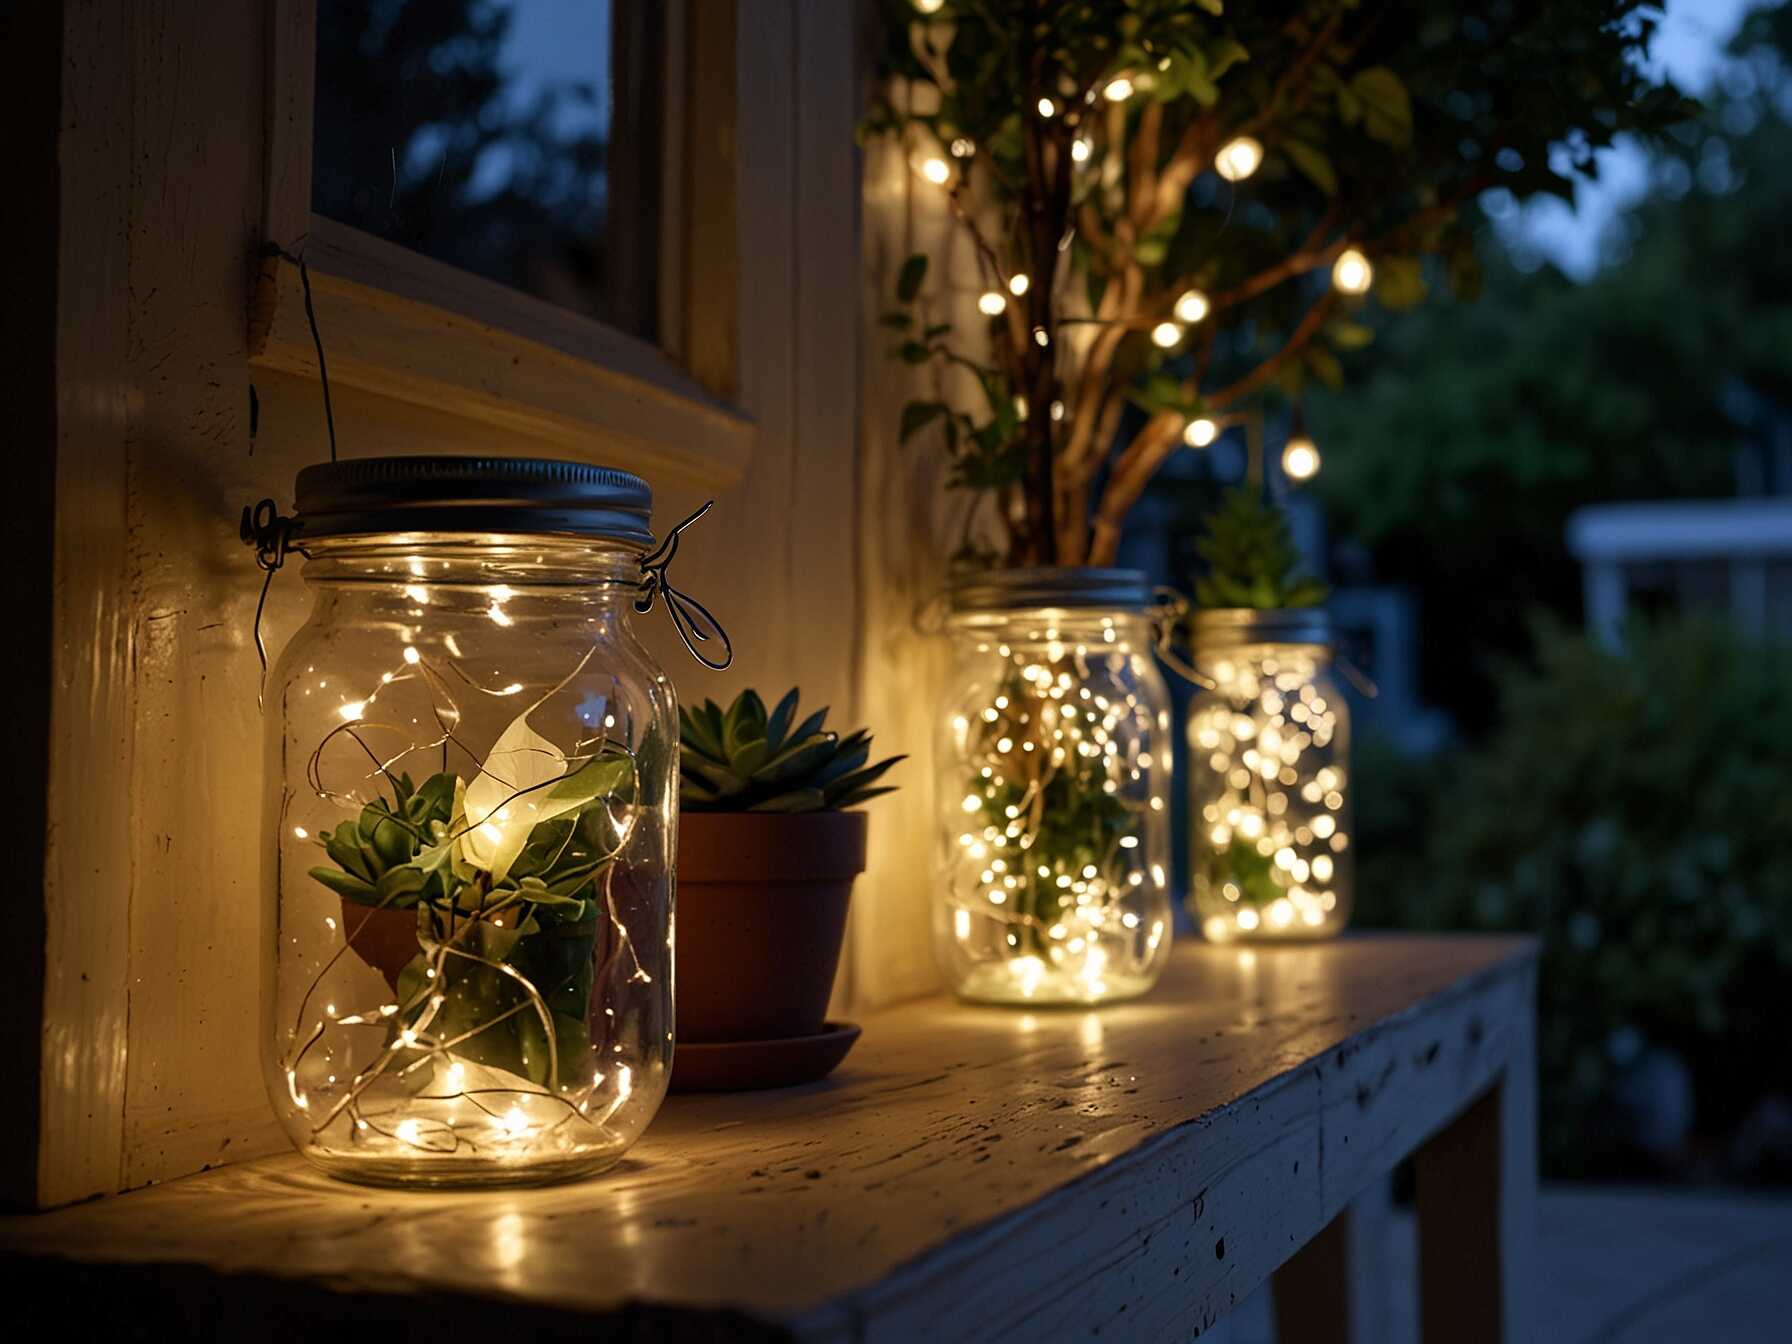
(963, 148)
(1118, 90)
(1192, 306)
(1300, 458)
(1238, 158)
(929, 6)
(1165, 335)
(1352, 273)
(991, 303)
(1017, 285)
(936, 170)
(1047, 108)
(1200, 432)
(1081, 149)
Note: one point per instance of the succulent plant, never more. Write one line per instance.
(1251, 558)
(744, 760)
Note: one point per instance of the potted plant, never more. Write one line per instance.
(1268, 739)
(767, 855)
(1174, 213)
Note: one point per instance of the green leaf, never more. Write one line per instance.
(845, 788)
(346, 884)
(1325, 366)
(1387, 110)
(1223, 54)
(1399, 283)
(909, 278)
(917, 415)
(779, 723)
(1349, 335)
(797, 800)
(1312, 164)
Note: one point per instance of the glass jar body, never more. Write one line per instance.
(471, 803)
(1052, 782)
(1269, 795)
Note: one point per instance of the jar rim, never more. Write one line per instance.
(1065, 587)
(1214, 628)
(515, 496)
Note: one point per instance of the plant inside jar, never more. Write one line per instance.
(509, 878)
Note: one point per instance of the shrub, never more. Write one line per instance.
(1635, 811)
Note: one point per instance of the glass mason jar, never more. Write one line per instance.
(1052, 780)
(471, 801)
(1269, 778)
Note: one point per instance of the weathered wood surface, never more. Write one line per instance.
(970, 1173)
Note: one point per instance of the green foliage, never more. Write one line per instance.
(1471, 434)
(538, 922)
(1633, 813)
(1380, 125)
(744, 760)
(1251, 558)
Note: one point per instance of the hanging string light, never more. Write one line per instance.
(1165, 335)
(1192, 306)
(1352, 273)
(1238, 158)
(936, 170)
(1300, 458)
(1017, 285)
(991, 303)
(1118, 90)
(1200, 432)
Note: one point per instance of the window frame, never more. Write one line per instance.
(402, 325)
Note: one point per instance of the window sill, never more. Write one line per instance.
(401, 326)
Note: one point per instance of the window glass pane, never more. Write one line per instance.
(517, 139)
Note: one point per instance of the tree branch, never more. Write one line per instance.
(1297, 341)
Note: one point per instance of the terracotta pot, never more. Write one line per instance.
(385, 939)
(762, 901)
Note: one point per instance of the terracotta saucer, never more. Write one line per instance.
(743, 1066)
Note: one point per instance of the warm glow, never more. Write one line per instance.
(1238, 158)
(411, 655)
(1300, 459)
(1047, 108)
(1080, 150)
(1198, 433)
(1352, 273)
(353, 710)
(1017, 285)
(991, 303)
(1166, 334)
(936, 171)
(1192, 306)
(1118, 90)
(929, 6)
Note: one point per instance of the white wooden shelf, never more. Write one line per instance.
(970, 1173)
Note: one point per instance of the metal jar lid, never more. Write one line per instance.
(1067, 587)
(472, 494)
(1217, 628)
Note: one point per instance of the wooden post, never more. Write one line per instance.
(1477, 1211)
(1334, 1290)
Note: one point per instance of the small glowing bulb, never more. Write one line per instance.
(1192, 306)
(1118, 90)
(411, 655)
(991, 302)
(1300, 459)
(514, 1121)
(963, 148)
(1247, 919)
(408, 1131)
(1057, 410)
(929, 6)
(936, 171)
(1017, 285)
(301, 832)
(1352, 273)
(1080, 150)
(1166, 334)
(1198, 433)
(353, 710)
(972, 802)
(1238, 158)
(1047, 108)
